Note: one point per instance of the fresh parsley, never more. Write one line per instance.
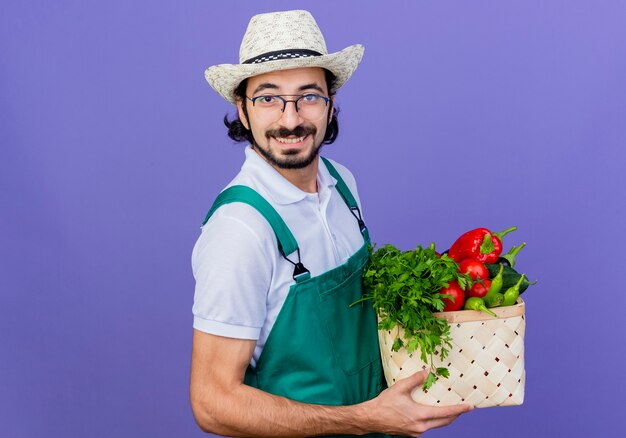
(404, 289)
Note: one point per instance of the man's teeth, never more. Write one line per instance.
(289, 140)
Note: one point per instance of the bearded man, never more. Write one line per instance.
(277, 348)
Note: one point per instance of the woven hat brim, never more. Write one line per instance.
(225, 78)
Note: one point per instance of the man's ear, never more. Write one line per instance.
(242, 114)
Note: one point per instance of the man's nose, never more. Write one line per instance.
(290, 118)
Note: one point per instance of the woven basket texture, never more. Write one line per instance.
(486, 360)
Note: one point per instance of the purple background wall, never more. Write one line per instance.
(462, 114)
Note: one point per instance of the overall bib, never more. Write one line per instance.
(320, 350)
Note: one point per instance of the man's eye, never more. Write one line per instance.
(310, 98)
(267, 99)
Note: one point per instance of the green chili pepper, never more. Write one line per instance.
(512, 293)
(493, 299)
(509, 277)
(512, 254)
(496, 282)
(475, 303)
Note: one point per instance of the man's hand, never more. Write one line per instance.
(395, 412)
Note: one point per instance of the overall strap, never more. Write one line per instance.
(286, 242)
(347, 197)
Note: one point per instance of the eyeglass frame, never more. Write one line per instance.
(295, 102)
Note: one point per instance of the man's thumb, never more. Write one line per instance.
(407, 384)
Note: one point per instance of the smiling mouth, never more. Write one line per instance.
(289, 140)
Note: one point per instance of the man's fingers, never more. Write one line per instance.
(443, 416)
(417, 379)
(444, 421)
(447, 411)
(439, 422)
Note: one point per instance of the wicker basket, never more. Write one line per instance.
(486, 360)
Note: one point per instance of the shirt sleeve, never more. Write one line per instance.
(232, 266)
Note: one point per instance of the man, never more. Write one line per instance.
(277, 348)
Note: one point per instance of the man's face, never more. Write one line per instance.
(287, 140)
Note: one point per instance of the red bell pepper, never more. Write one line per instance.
(479, 244)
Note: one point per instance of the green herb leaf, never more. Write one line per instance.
(430, 380)
(397, 344)
(443, 372)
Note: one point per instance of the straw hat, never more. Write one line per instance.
(282, 41)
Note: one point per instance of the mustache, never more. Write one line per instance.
(298, 131)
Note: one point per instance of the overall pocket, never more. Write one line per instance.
(352, 330)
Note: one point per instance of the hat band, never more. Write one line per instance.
(282, 54)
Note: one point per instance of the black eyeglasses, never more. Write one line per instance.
(310, 106)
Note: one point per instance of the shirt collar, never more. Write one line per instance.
(277, 186)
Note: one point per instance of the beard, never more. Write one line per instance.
(289, 158)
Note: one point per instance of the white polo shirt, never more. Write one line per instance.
(242, 280)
